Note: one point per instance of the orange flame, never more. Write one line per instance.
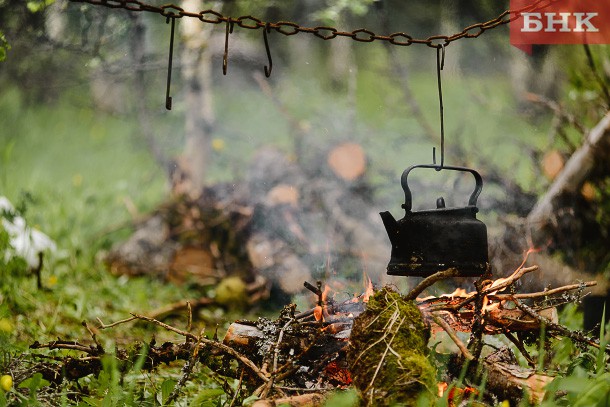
(458, 293)
(334, 328)
(442, 387)
(317, 313)
(325, 293)
(368, 289)
(489, 305)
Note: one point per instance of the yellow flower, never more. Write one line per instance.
(218, 144)
(77, 180)
(52, 280)
(6, 382)
(6, 325)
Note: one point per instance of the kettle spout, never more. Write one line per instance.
(391, 226)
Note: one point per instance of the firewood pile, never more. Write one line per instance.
(380, 342)
(284, 223)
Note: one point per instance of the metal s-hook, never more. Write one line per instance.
(168, 98)
(225, 57)
(440, 64)
(267, 29)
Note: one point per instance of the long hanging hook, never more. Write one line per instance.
(168, 98)
(266, 30)
(225, 57)
(440, 64)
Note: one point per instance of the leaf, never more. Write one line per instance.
(4, 46)
(250, 400)
(596, 394)
(206, 398)
(92, 402)
(343, 399)
(34, 383)
(34, 6)
(141, 358)
(573, 384)
(601, 354)
(108, 400)
(166, 389)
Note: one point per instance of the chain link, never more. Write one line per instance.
(326, 33)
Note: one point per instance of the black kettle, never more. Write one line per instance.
(428, 241)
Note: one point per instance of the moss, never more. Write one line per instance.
(387, 353)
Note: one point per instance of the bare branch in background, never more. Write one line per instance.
(595, 149)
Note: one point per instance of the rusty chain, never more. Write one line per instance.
(171, 11)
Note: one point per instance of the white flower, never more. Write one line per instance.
(25, 241)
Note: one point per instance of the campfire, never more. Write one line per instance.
(377, 342)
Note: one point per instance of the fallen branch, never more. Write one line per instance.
(428, 281)
(508, 381)
(186, 372)
(247, 362)
(162, 312)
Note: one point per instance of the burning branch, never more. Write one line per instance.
(494, 287)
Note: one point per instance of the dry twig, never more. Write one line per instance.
(539, 294)
(576, 336)
(186, 371)
(244, 360)
(428, 281)
(441, 322)
(487, 291)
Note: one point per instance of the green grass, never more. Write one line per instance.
(75, 169)
(80, 168)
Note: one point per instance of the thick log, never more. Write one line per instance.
(509, 381)
(571, 179)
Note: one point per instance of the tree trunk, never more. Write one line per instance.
(199, 118)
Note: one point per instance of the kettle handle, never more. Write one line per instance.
(472, 201)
